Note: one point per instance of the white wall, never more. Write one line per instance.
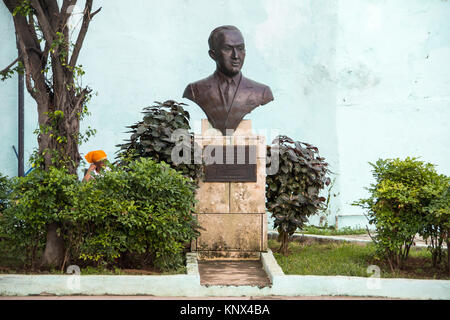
(359, 79)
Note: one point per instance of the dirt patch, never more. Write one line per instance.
(415, 267)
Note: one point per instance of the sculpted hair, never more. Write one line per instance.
(213, 37)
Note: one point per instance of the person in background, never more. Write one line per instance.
(97, 160)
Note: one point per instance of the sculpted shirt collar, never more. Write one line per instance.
(223, 78)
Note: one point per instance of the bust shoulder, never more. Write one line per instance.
(194, 88)
(263, 90)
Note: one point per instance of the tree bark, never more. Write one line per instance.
(57, 92)
(448, 251)
(284, 248)
(54, 249)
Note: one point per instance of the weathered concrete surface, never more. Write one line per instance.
(232, 213)
(213, 197)
(250, 197)
(244, 129)
(234, 232)
(108, 297)
(189, 285)
(228, 255)
(270, 265)
(235, 273)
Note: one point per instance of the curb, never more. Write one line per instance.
(188, 285)
(300, 236)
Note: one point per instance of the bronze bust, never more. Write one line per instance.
(227, 96)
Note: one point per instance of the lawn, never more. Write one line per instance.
(350, 259)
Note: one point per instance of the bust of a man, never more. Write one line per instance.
(227, 96)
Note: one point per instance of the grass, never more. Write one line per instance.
(349, 259)
(331, 231)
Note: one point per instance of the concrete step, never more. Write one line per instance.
(233, 273)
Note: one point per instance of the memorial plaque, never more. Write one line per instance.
(230, 163)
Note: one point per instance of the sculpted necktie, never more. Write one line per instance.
(229, 91)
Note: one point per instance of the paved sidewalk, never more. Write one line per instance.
(192, 298)
(362, 238)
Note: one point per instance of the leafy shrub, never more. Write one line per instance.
(138, 214)
(4, 191)
(35, 201)
(143, 210)
(399, 205)
(293, 192)
(436, 227)
(152, 137)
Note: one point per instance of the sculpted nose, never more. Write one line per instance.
(234, 54)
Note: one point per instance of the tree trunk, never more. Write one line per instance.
(448, 251)
(284, 248)
(54, 249)
(56, 92)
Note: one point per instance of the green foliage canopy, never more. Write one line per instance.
(293, 192)
(405, 200)
(153, 137)
(142, 210)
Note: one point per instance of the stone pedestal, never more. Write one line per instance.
(232, 213)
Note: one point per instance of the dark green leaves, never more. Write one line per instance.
(152, 137)
(293, 192)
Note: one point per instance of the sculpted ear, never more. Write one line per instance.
(212, 54)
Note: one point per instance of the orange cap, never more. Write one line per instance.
(95, 156)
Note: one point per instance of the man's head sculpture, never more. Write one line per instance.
(227, 49)
(226, 96)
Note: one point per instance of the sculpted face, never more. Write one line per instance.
(229, 52)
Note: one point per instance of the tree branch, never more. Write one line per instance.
(43, 21)
(28, 72)
(11, 64)
(87, 17)
(51, 10)
(95, 12)
(32, 28)
(11, 4)
(79, 103)
(65, 14)
(31, 55)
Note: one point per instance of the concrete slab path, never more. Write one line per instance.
(233, 273)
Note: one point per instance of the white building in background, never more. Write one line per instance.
(361, 80)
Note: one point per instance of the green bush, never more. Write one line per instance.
(136, 215)
(143, 209)
(4, 191)
(152, 138)
(35, 201)
(293, 192)
(400, 203)
(436, 227)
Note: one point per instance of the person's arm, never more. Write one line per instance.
(88, 176)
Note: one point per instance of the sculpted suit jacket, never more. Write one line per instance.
(208, 95)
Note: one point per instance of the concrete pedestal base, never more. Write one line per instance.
(232, 213)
